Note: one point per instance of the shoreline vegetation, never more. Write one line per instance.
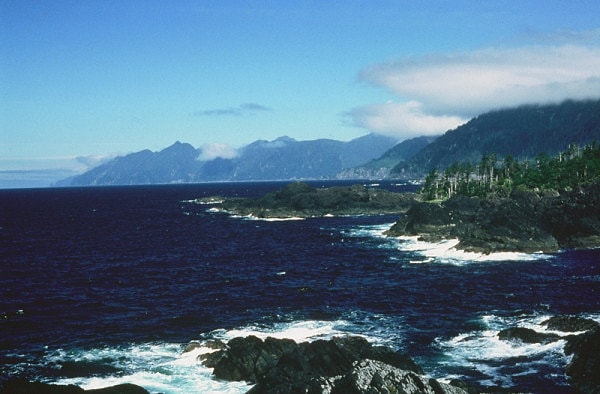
(542, 205)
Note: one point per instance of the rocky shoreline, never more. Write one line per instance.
(303, 201)
(353, 365)
(525, 221)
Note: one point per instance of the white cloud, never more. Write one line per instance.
(217, 150)
(441, 88)
(403, 119)
(92, 161)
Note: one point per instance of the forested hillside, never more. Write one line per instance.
(568, 169)
(523, 133)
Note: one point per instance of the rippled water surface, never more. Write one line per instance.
(104, 285)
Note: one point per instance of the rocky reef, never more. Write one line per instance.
(353, 365)
(301, 200)
(584, 347)
(525, 221)
(339, 365)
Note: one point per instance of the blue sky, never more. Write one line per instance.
(81, 80)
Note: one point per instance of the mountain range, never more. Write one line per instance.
(280, 159)
(523, 132)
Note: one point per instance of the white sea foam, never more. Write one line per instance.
(446, 252)
(299, 331)
(263, 219)
(441, 252)
(166, 368)
(483, 351)
(157, 367)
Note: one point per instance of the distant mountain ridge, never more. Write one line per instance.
(281, 159)
(522, 132)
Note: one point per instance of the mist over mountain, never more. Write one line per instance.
(280, 159)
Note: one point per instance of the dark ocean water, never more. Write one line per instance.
(106, 285)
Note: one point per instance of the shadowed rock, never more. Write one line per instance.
(337, 365)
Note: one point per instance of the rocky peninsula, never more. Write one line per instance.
(303, 201)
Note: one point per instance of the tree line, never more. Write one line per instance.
(500, 176)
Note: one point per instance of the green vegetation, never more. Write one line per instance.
(493, 176)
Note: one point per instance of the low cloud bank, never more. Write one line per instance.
(210, 152)
(439, 92)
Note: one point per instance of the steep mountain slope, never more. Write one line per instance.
(380, 167)
(522, 132)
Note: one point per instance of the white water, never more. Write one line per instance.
(165, 368)
(482, 350)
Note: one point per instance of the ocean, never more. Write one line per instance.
(107, 285)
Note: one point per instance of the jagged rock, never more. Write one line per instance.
(584, 367)
(371, 376)
(282, 365)
(570, 323)
(526, 335)
(21, 386)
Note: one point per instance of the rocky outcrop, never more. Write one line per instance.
(371, 376)
(526, 335)
(301, 200)
(339, 365)
(526, 221)
(584, 368)
(21, 386)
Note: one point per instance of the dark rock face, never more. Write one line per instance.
(526, 335)
(370, 376)
(301, 200)
(524, 222)
(339, 365)
(570, 323)
(584, 368)
(20, 386)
